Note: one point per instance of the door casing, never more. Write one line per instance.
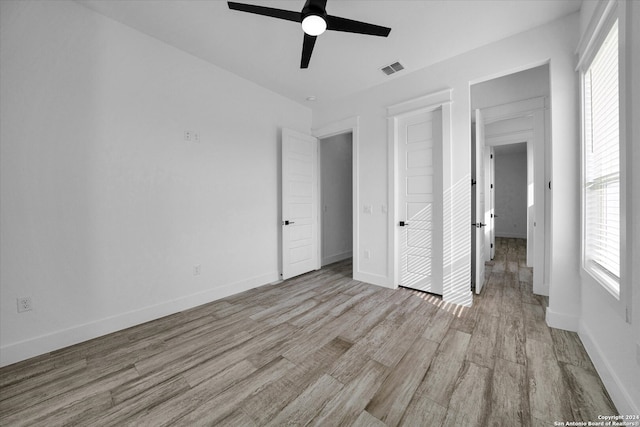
(441, 99)
(336, 128)
(535, 137)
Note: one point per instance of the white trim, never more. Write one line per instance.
(508, 138)
(392, 239)
(512, 235)
(601, 22)
(428, 102)
(562, 320)
(525, 136)
(32, 347)
(351, 124)
(602, 17)
(536, 142)
(614, 385)
(372, 278)
(336, 257)
(626, 166)
(464, 298)
(512, 110)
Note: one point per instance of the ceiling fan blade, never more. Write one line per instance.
(288, 15)
(336, 23)
(307, 49)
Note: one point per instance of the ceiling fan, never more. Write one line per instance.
(314, 21)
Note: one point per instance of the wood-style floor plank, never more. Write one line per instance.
(482, 347)
(393, 397)
(345, 407)
(423, 411)
(309, 403)
(585, 391)
(209, 411)
(471, 395)
(510, 344)
(444, 371)
(273, 398)
(569, 349)
(546, 383)
(509, 395)
(324, 349)
(535, 325)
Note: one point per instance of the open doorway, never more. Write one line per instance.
(510, 115)
(510, 191)
(336, 199)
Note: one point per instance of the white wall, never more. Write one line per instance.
(612, 343)
(531, 83)
(511, 194)
(337, 197)
(554, 44)
(105, 209)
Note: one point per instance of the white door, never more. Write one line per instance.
(299, 203)
(479, 220)
(419, 136)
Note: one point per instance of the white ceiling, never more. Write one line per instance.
(267, 51)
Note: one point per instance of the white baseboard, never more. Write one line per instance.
(374, 279)
(464, 298)
(23, 350)
(564, 321)
(512, 236)
(336, 257)
(615, 387)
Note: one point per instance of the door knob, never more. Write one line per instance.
(402, 224)
(287, 222)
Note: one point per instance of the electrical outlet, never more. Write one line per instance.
(188, 135)
(24, 304)
(196, 270)
(195, 136)
(367, 254)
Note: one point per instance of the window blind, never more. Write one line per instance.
(602, 163)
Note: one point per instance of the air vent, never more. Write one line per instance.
(393, 68)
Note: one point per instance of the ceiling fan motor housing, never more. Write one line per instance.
(315, 7)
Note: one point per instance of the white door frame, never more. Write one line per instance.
(427, 103)
(352, 125)
(479, 192)
(489, 197)
(536, 148)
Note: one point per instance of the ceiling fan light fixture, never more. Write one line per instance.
(314, 25)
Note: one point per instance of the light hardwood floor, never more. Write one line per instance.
(324, 350)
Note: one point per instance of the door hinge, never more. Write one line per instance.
(492, 156)
(492, 246)
(491, 185)
(473, 181)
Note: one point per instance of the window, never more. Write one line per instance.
(601, 139)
